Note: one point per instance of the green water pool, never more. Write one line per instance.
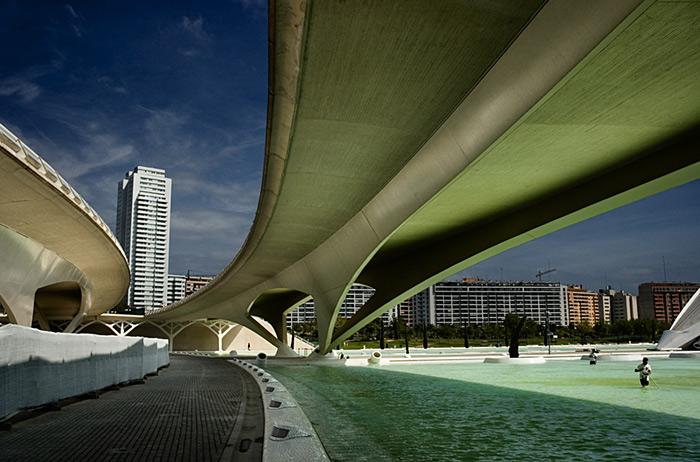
(560, 410)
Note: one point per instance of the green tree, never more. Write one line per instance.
(398, 327)
(563, 332)
(371, 330)
(584, 330)
(621, 329)
(492, 331)
(640, 329)
(530, 329)
(307, 330)
(601, 329)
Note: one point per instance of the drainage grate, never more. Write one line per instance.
(287, 432)
(277, 404)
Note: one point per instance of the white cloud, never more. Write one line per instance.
(71, 11)
(165, 128)
(205, 240)
(101, 151)
(195, 27)
(27, 90)
(189, 52)
(194, 222)
(237, 197)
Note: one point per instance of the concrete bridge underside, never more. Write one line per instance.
(409, 140)
(58, 258)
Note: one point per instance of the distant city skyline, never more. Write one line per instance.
(97, 89)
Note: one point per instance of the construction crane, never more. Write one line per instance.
(540, 273)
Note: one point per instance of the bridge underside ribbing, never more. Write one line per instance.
(407, 141)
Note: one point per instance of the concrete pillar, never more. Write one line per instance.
(27, 266)
(283, 350)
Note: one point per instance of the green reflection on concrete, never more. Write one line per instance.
(564, 410)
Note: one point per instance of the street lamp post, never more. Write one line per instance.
(548, 334)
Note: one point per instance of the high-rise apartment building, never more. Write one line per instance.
(605, 305)
(663, 301)
(624, 307)
(614, 305)
(583, 305)
(487, 302)
(176, 287)
(472, 301)
(143, 230)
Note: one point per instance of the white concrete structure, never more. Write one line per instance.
(143, 230)
(38, 367)
(685, 330)
(407, 141)
(58, 258)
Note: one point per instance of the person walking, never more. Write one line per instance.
(644, 370)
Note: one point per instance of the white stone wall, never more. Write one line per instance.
(38, 367)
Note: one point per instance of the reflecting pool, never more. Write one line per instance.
(560, 410)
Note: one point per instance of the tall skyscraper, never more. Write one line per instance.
(143, 230)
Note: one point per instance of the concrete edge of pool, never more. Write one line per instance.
(289, 435)
(388, 357)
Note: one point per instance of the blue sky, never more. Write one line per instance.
(98, 87)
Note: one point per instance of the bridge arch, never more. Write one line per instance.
(273, 305)
(59, 300)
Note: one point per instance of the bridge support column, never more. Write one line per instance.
(326, 316)
(283, 350)
(220, 328)
(19, 313)
(27, 267)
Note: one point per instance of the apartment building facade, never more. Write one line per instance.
(663, 301)
(480, 302)
(143, 230)
(583, 305)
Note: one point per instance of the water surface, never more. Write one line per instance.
(563, 410)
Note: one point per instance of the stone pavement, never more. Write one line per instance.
(198, 409)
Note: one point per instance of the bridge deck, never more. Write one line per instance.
(198, 409)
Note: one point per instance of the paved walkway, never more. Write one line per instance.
(198, 409)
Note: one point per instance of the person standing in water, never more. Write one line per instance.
(593, 356)
(644, 370)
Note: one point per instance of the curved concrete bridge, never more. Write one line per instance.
(59, 260)
(409, 140)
